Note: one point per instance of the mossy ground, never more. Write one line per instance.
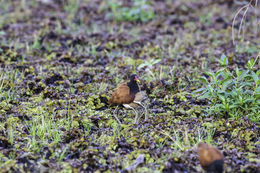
(61, 60)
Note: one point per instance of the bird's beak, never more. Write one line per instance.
(137, 80)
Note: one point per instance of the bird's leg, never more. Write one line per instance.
(136, 114)
(146, 116)
(114, 114)
(140, 118)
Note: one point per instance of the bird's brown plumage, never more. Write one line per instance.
(121, 95)
(211, 159)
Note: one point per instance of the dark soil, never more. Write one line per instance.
(61, 60)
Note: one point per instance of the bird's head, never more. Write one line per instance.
(134, 77)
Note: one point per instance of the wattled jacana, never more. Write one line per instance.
(211, 159)
(129, 95)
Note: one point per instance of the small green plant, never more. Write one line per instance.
(234, 93)
(71, 8)
(149, 63)
(139, 11)
(43, 128)
(36, 43)
(184, 140)
(63, 154)
(206, 18)
(7, 85)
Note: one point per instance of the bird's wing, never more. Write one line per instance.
(140, 96)
(121, 95)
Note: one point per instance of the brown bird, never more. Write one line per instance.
(211, 159)
(129, 95)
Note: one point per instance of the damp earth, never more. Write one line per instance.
(198, 62)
